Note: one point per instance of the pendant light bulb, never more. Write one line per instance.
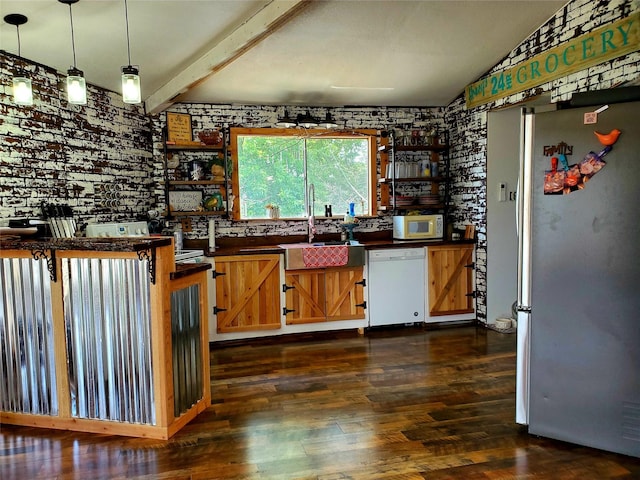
(22, 91)
(76, 84)
(131, 85)
(130, 77)
(76, 87)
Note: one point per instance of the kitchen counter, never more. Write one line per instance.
(368, 245)
(125, 244)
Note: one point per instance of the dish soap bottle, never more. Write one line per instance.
(177, 237)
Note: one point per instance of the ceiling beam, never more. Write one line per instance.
(272, 16)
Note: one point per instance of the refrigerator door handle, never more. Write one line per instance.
(523, 221)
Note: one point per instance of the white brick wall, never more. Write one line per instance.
(468, 128)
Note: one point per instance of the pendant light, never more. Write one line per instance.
(76, 84)
(328, 122)
(22, 92)
(286, 121)
(307, 120)
(130, 78)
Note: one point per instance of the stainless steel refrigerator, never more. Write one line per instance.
(578, 374)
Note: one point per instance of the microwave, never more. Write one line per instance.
(418, 227)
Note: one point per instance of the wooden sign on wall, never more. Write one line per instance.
(179, 128)
(602, 44)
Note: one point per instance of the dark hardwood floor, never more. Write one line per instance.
(402, 403)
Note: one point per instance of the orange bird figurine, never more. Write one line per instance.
(608, 139)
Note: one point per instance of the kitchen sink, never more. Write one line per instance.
(311, 255)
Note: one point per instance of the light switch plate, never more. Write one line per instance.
(502, 192)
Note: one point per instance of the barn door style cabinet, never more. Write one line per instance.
(325, 294)
(247, 293)
(450, 277)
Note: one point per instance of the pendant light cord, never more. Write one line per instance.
(126, 17)
(18, 31)
(73, 40)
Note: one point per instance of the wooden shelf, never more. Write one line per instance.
(196, 182)
(195, 147)
(389, 208)
(203, 213)
(412, 180)
(414, 148)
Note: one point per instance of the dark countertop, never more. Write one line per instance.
(186, 269)
(125, 244)
(367, 244)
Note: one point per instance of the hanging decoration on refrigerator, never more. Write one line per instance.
(566, 179)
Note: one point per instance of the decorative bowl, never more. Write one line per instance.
(210, 137)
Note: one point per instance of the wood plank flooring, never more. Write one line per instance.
(402, 403)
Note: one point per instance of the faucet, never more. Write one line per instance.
(311, 203)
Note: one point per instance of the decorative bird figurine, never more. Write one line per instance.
(608, 139)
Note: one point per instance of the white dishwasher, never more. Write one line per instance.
(396, 279)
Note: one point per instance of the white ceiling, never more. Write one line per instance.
(282, 52)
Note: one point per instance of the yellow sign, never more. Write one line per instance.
(179, 128)
(604, 43)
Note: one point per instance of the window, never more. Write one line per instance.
(278, 166)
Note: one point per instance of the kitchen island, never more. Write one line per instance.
(102, 335)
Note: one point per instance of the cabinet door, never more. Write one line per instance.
(305, 296)
(247, 293)
(344, 293)
(450, 279)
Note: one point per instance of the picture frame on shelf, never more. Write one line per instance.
(179, 130)
(185, 201)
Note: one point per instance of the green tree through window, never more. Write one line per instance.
(278, 169)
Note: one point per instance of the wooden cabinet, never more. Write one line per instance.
(247, 293)
(324, 295)
(450, 280)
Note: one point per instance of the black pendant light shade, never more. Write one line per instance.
(328, 122)
(307, 120)
(286, 121)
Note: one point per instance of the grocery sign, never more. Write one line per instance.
(605, 43)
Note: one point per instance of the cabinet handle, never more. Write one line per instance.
(286, 310)
(216, 274)
(470, 265)
(217, 310)
(362, 282)
(363, 304)
(472, 294)
(286, 287)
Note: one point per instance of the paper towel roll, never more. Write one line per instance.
(212, 235)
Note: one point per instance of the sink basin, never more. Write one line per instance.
(306, 255)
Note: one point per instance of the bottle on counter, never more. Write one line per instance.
(178, 238)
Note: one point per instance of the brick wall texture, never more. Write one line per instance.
(468, 128)
(95, 158)
(105, 159)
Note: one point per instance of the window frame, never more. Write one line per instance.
(371, 135)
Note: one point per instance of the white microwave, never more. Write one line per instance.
(418, 227)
